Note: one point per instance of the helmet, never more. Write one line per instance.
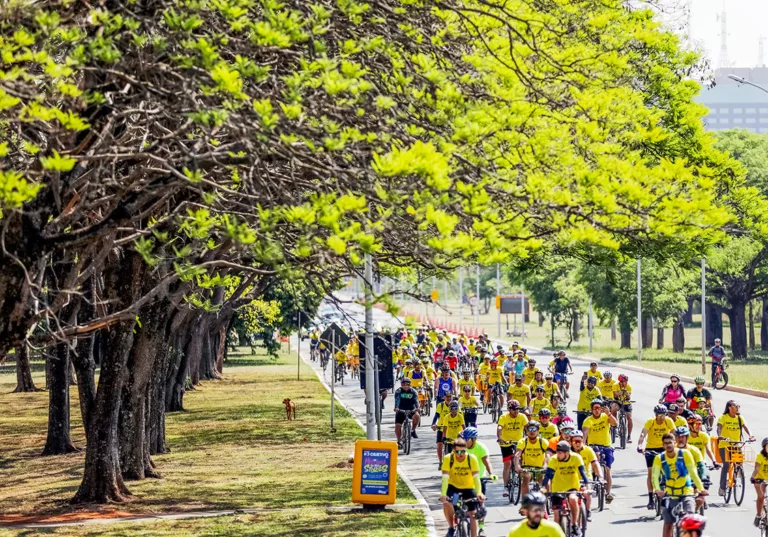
(699, 380)
(681, 400)
(466, 372)
(577, 434)
(548, 376)
(494, 361)
(567, 428)
(405, 380)
(623, 378)
(608, 374)
(544, 412)
(534, 498)
(469, 433)
(598, 402)
(695, 418)
(532, 425)
(561, 352)
(531, 361)
(563, 446)
(539, 388)
(451, 353)
(592, 380)
(682, 431)
(592, 364)
(562, 409)
(764, 442)
(454, 404)
(509, 354)
(672, 408)
(659, 409)
(674, 376)
(467, 388)
(499, 347)
(513, 404)
(692, 522)
(518, 376)
(445, 367)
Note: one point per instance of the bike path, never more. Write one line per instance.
(627, 516)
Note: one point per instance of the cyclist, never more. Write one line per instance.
(550, 388)
(520, 362)
(509, 431)
(655, 429)
(529, 373)
(445, 383)
(607, 386)
(717, 353)
(566, 431)
(590, 465)
(692, 526)
(480, 451)
(593, 372)
(531, 452)
(467, 380)
(561, 367)
(520, 392)
(597, 430)
(562, 416)
(623, 395)
(729, 429)
(438, 356)
(469, 405)
(452, 425)
(547, 429)
(700, 439)
(539, 402)
(341, 361)
(509, 363)
(588, 394)
(314, 341)
(452, 360)
(673, 411)
(682, 435)
(441, 409)
(681, 481)
(672, 391)
(461, 475)
(699, 398)
(760, 478)
(564, 472)
(406, 401)
(417, 375)
(535, 525)
(495, 380)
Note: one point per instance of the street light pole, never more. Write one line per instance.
(742, 80)
(703, 316)
(498, 295)
(370, 379)
(461, 297)
(639, 315)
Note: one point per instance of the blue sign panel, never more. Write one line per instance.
(375, 474)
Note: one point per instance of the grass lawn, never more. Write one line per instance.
(231, 449)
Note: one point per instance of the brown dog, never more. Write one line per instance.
(290, 409)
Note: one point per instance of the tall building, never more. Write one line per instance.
(737, 106)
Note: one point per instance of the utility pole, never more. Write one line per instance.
(498, 295)
(370, 378)
(703, 316)
(434, 302)
(477, 297)
(590, 325)
(523, 310)
(461, 297)
(639, 315)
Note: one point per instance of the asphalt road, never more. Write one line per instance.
(627, 515)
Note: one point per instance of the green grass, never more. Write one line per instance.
(231, 449)
(306, 522)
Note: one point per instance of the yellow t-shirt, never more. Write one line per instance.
(701, 441)
(731, 428)
(549, 431)
(519, 393)
(597, 374)
(484, 369)
(495, 376)
(676, 485)
(537, 404)
(433, 335)
(417, 377)
(341, 357)
(599, 430)
(453, 424)
(407, 370)
(621, 396)
(589, 455)
(512, 428)
(761, 462)
(470, 383)
(532, 453)
(656, 431)
(468, 402)
(460, 474)
(545, 529)
(529, 374)
(696, 452)
(549, 390)
(585, 399)
(680, 422)
(567, 476)
(607, 387)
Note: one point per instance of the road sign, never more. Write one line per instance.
(473, 301)
(498, 302)
(382, 352)
(511, 304)
(435, 295)
(333, 335)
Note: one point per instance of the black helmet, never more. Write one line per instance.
(534, 498)
(659, 409)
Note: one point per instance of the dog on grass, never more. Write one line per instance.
(290, 409)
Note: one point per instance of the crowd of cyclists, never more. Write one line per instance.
(554, 466)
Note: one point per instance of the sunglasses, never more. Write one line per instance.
(459, 451)
(673, 382)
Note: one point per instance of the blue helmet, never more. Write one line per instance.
(469, 433)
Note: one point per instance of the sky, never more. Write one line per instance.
(746, 19)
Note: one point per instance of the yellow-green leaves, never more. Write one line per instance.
(265, 111)
(57, 162)
(15, 189)
(419, 159)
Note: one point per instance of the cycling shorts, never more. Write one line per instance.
(560, 499)
(650, 456)
(400, 416)
(468, 496)
(560, 377)
(508, 452)
(689, 506)
(607, 452)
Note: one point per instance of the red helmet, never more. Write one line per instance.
(623, 378)
(692, 522)
(494, 361)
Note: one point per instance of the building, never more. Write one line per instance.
(737, 106)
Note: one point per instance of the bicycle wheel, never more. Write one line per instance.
(657, 502)
(764, 522)
(600, 497)
(623, 430)
(583, 517)
(462, 530)
(407, 438)
(517, 490)
(565, 521)
(728, 492)
(721, 381)
(738, 485)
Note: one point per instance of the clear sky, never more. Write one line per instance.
(747, 19)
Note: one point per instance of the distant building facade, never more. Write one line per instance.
(736, 106)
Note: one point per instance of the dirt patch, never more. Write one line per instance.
(342, 464)
(74, 516)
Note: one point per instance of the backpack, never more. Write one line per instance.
(543, 444)
(469, 463)
(682, 469)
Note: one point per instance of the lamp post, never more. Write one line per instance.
(742, 80)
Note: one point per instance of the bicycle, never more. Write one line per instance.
(314, 352)
(598, 489)
(565, 513)
(324, 357)
(534, 484)
(496, 403)
(405, 435)
(514, 486)
(622, 427)
(720, 378)
(763, 525)
(561, 379)
(340, 370)
(425, 402)
(461, 517)
(355, 371)
(736, 455)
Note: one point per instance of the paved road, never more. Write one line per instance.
(626, 516)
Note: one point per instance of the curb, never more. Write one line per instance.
(421, 501)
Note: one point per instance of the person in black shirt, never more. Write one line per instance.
(406, 400)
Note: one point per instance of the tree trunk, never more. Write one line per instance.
(576, 327)
(86, 377)
(541, 319)
(751, 328)
(738, 331)
(647, 332)
(102, 478)
(221, 349)
(24, 382)
(659, 337)
(714, 323)
(626, 339)
(613, 329)
(764, 326)
(688, 315)
(678, 334)
(58, 441)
